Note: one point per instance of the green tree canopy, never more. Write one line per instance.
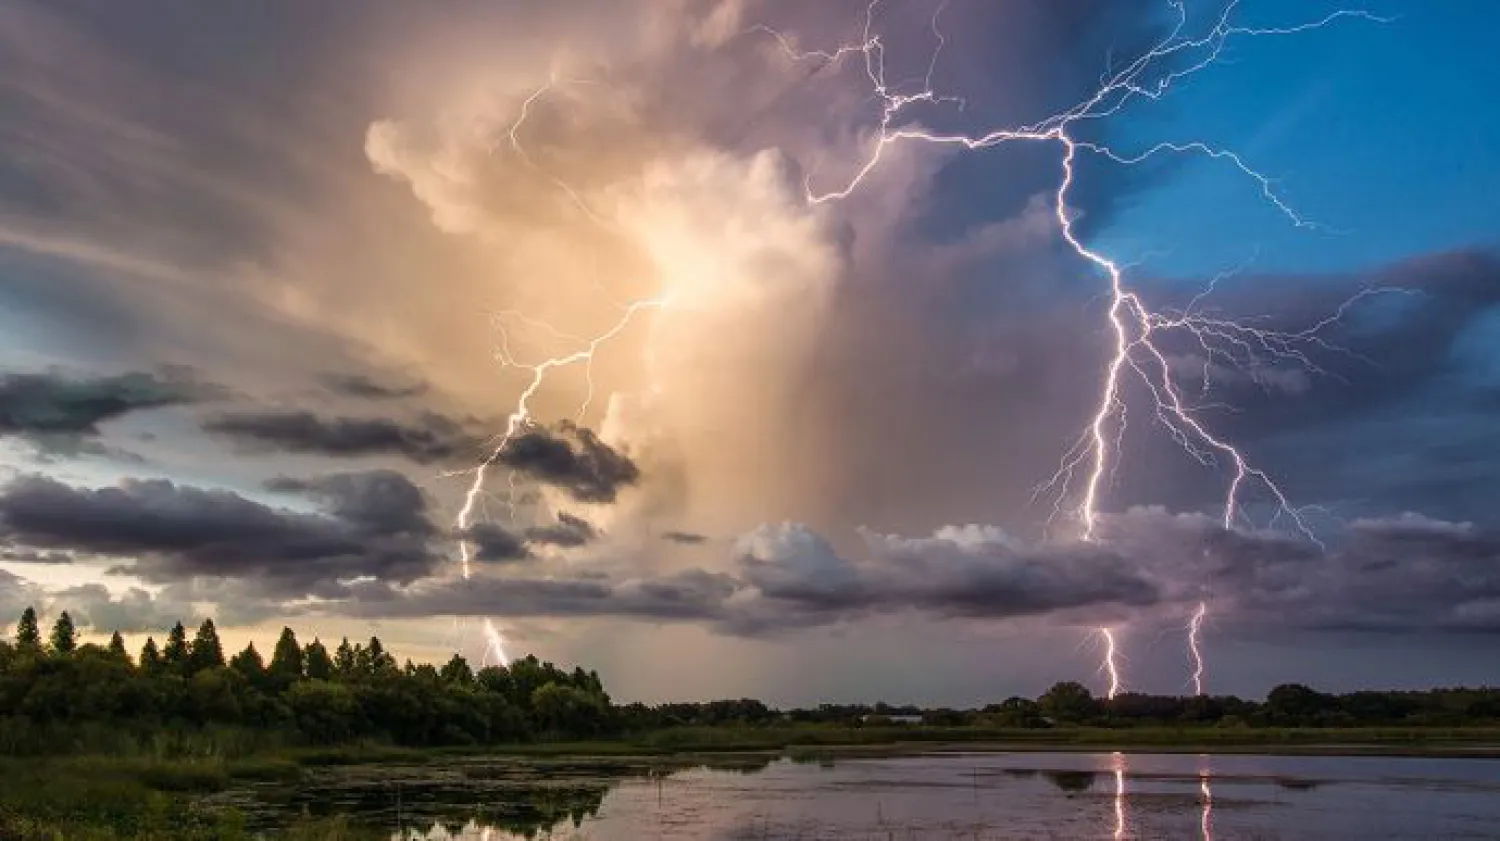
(1069, 702)
(249, 665)
(28, 634)
(457, 671)
(151, 662)
(117, 647)
(206, 651)
(319, 664)
(64, 635)
(343, 659)
(286, 659)
(175, 654)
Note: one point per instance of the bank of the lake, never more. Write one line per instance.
(361, 792)
(145, 797)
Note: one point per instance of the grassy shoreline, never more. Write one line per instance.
(103, 798)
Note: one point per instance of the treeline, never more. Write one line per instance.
(305, 693)
(1072, 704)
(54, 693)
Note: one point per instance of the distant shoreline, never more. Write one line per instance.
(1481, 743)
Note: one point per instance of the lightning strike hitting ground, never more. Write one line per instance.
(517, 421)
(1195, 646)
(1110, 665)
(1134, 327)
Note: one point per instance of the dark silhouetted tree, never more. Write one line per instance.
(117, 647)
(343, 659)
(249, 665)
(150, 660)
(286, 659)
(1068, 702)
(317, 662)
(457, 671)
(64, 635)
(175, 653)
(206, 651)
(28, 633)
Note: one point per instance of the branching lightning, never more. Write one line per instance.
(517, 421)
(536, 373)
(1133, 326)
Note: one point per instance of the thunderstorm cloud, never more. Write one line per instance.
(762, 435)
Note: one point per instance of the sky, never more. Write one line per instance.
(780, 392)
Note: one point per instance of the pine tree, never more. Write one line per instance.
(151, 662)
(457, 671)
(286, 660)
(343, 659)
(381, 663)
(117, 647)
(249, 665)
(175, 654)
(28, 634)
(64, 635)
(206, 651)
(319, 665)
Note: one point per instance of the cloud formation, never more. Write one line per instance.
(429, 438)
(64, 413)
(367, 387)
(572, 458)
(1403, 575)
(163, 532)
(568, 532)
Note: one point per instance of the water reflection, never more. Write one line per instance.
(1069, 782)
(1206, 801)
(1117, 762)
(991, 796)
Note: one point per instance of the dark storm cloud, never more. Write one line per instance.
(366, 387)
(375, 527)
(568, 532)
(572, 458)
(788, 577)
(56, 404)
(684, 537)
(690, 596)
(430, 438)
(496, 543)
(381, 501)
(969, 572)
(1407, 575)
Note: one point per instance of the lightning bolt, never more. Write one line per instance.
(536, 373)
(1134, 327)
(1110, 665)
(518, 420)
(1195, 646)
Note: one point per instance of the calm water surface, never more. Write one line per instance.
(957, 796)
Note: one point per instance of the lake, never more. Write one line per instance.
(937, 796)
